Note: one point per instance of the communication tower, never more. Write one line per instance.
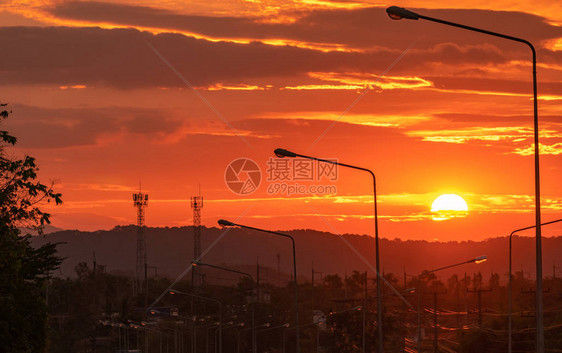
(140, 201)
(197, 205)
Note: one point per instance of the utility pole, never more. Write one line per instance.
(403, 303)
(278, 270)
(479, 291)
(466, 284)
(345, 285)
(258, 281)
(457, 307)
(435, 327)
(312, 288)
(312, 291)
(365, 314)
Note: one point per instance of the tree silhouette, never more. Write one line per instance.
(494, 281)
(23, 269)
(453, 284)
(332, 282)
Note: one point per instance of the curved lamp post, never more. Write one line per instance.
(398, 13)
(477, 260)
(210, 327)
(198, 263)
(317, 332)
(280, 152)
(283, 327)
(125, 335)
(267, 324)
(225, 223)
(175, 291)
(164, 330)
(509, 299)
(140, 326)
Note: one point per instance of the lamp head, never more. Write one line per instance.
(194, 263)
(225, 223)
(280, 152)
(172, 292)
(480, 259)
(398, 13)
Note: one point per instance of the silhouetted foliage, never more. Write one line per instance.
(23, 269)
(332, 282)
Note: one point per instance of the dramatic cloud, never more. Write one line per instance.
(554, 149)
(355, 28)
(64, 127)
(122, 58)
(78, 57)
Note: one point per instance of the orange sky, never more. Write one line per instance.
(105, 94)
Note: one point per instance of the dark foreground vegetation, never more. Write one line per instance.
(97, 312)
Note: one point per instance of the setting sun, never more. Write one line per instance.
(449, 202)
(448, 206)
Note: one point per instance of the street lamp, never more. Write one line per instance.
(175, 291)
(198, 263)
(280, 152)
(161, 330)
(210, 327)
(230, 324)
(225, 223)
(267, 324)
(126, 338)
(282, 327)
(477, 260)
(509, 289)
(122, 347)
(317, 333)
(143, 325)
(397, 13)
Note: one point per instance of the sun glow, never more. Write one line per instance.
(448, 206)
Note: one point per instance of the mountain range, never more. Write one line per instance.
(170, 251)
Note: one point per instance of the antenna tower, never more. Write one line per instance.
(197, 205)
(140, 201)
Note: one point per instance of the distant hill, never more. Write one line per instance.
(46, 230)
(171, 250)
